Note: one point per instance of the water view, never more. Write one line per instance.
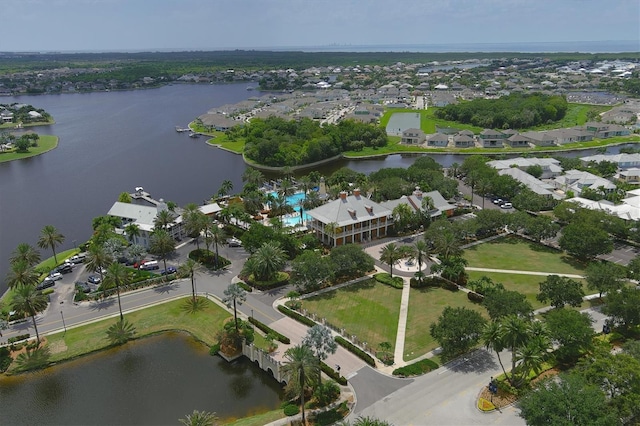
(152, 381)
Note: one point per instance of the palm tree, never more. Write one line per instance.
(266, 261)
(236, 294)
(161, 244)
(164, 219)
(27, 300)
(188, 269)
(453, 170)
(515, 333)
(25, 252)
(390, 254)
(531, 357)
(253, 177)
(132, 230)
(118, 275)
(225, 188)
(215, 235)
(50, 238)
(21, 273)
(136, 252)
(121, 332)
(302, 369)
(452, 269)
(98, 259)
(492, 336)
(199, 418)
(286, 189)
(332, 229)
(421, 251)
(194, 223)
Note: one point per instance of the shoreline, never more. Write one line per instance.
(23, 155)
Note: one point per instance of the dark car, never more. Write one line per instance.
(48, 282)
(64, 269)
(83, 286)
(168, 271)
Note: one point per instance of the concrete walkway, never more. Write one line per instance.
(514, 271)
(398, 354)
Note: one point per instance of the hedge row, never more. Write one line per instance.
(356, 351)
(265, 328)
(333, 374)
(416, 369)
(426, 282)
(283, 279)
(296, 316)
(384, 278)
(246, 287)
(475, 297)
(18, 338)
(448, 285)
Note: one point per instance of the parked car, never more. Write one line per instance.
(506, 206)
(497, 201)
(83, 286)
(55, 276)
(234, 242)
(94, 279)
(149, 265)
(64, 269)
(168, 271)
(46, 284)
(78, 258)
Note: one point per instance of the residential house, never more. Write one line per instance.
(491, 138)
(563, 136)
(518, 141)
(413, 136)
(540, 138)
(623, 161)
(419, 202)
(463, 141)
(604, 130)
(629, 209)
(537, 186)
(577, 181)
(438, 140)
(350, 219)
(6, 116)
(629, 176)
(550, 166)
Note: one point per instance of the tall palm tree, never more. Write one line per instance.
(422, 251)
(25, 252)
(21, 273)
(302, 369)
(266, 261)
(27, 300)
(236, 294)
(132, 230)
(286, 189)
(331, 229)
(118, 275)
(515, 334)
(194, 222)
(492, 336)
(164, 219)
(253, 177)
(390, 254)
(213, 234)
(161, 244)
(98, 259)
(50, 238)
(200, 418)
(225, 188)
(188, 269)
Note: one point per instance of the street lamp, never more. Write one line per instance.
(252, 313)
(63, 324)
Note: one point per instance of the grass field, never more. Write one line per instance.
(203, 325)
(369, 310)
(576, 116)
(517, 254)
(46, 143)
(425, 306)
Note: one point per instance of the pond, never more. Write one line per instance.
(151, 381)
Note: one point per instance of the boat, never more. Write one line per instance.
(194, 135)
(180, 129)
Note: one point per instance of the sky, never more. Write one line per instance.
(133, 25)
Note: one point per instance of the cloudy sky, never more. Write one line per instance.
(119, 25)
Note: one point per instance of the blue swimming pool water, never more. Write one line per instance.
(294, 201)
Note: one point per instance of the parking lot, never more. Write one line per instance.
(622, 254)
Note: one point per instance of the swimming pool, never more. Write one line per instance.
(293, 201)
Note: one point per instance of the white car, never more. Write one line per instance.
(506, 206)
(234, 242)
(55, 276)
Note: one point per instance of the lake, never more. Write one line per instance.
(152, 381)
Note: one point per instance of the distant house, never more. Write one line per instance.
(550, 166)
(631, 176)
(413, 136)
(604, 130)
(577, 181)
(6, 116)
(623, 161)
(518, 141)
(463, 141)
(537, 186)
(438, 140)
(350, 219)
(219, 122)
(563, 136)
(417, 201)
(491, 138)
(540, 138)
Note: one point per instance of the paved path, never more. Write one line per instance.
(398, 354)
(513, 271)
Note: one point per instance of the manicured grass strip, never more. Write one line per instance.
(368, 310)
(258, 419)
(203, 325)
(416, 369)
(385, 278)
(46, 143)
(513, 253)
(425, 306)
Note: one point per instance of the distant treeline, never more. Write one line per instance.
(278, 142)
(515, 111)
(197, 61)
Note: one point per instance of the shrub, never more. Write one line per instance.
(384, 278)
(296, 316)
(208, 259)
(426, 282)
(245, 286)
(281, 280)
(416, 369)
(326, 393)
(18, 338)
(47, 291)
(333, 374)
(268, 330)
(448, 285)
(475, 297)
(291, 410)
(356, 351)
(214, 349)
(5, 359)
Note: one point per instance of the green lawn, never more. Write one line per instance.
(203, 325)
(425, 306)
(46, 143)
(517, 254)
(576, 116)
(370, 310)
